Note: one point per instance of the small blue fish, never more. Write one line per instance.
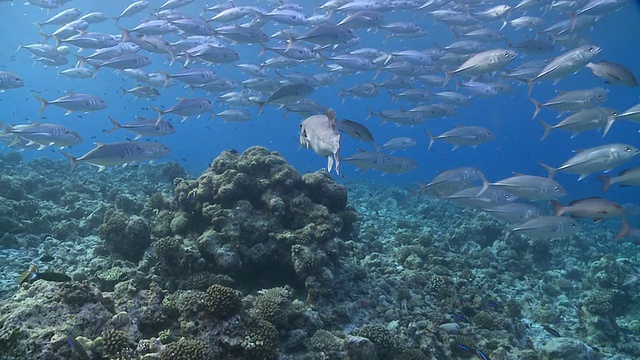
(551, 331)
(462, 318)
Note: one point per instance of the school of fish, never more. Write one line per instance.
(302, 47)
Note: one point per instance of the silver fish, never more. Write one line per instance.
(485, 62)
(62, 18)
(174, 4)
(186, 107)
(10, 81)
(355, 129)
(567, 63)
(75, 102)
(514, 213)
(463, 135)
(146, 92)
(114, 154)
(627, 177)
(233, 115)
(286, 94)
(583, 120)
(604, 157)
(43, 135)
(132, 9)
(532, 187)
(144, 127)
(548, 227)
(78, 72)
(397, 144)
(95, 17)
(612, 73)
(573, 100)
(475, 198)
(365, 160)
(153, 151)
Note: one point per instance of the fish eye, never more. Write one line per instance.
(507, 196)
(557, 188)
(627, 149)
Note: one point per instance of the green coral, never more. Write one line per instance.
(261, 340)
(128, 236)
(222, 301)
(273, 305)
(115, 341)
(158, 201)
(186, 349)
(323, 340)
(169, 250)
(382, 338)
(487, 320)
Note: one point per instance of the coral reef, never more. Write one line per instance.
(251, 260)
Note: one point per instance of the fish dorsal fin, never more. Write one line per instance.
(70, 92)
(99, 144)
(515, 173)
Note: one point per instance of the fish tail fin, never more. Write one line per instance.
(392, 97)
(290, 40)
(447, 78)
(260, 107)
(116, 125)
(550, 170)
(606, 182)
(173, 56)
(125, 33)
(160, 113)
(432, 139)
(74, 160)
(187, 59)
(537, 109)
(572, 20)
(610, 120)
(45, 36)
(625, 230)
(547, 129)
(4, 129)
(529, 87)
(204, 10)
(123, 91)
(44, 103)
(57, 40)
(167, 78)
(558, 209)
(485, 183)
(343, 94)
(504, 24)
(412, 192)
(41, 25)
(263, 49)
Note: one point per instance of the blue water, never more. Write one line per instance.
(197, 141)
